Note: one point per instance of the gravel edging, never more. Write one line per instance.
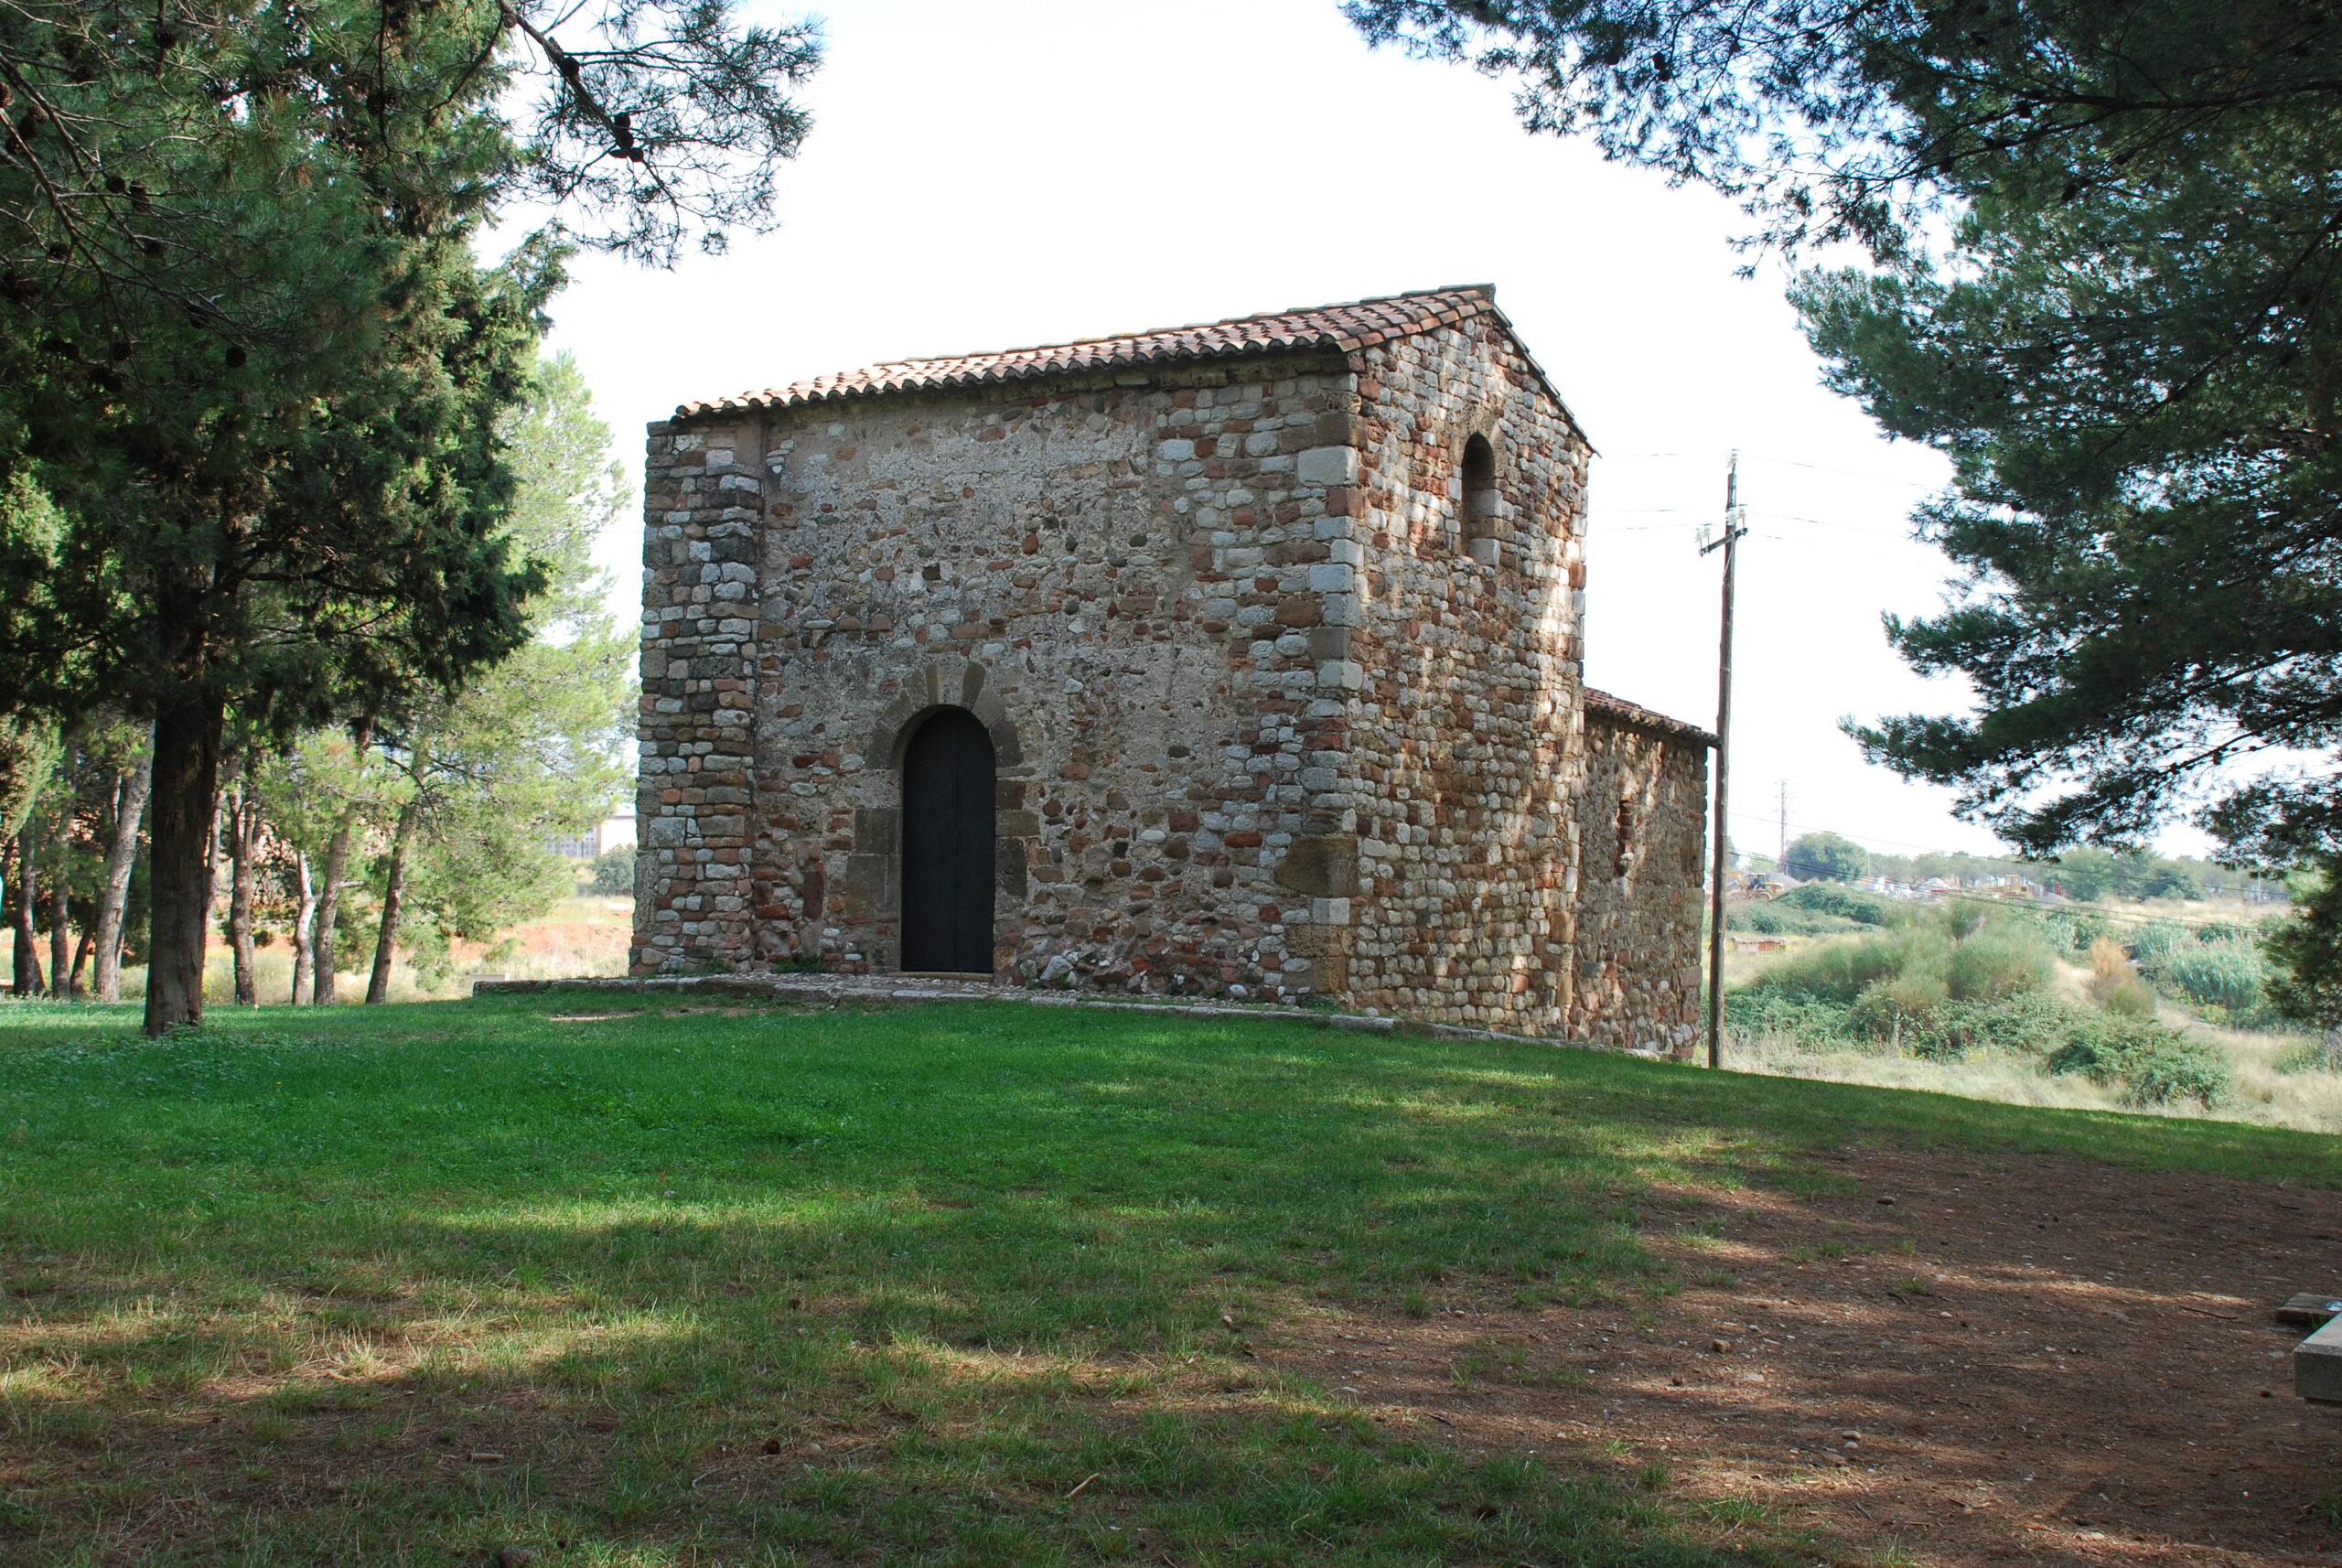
(832, 990)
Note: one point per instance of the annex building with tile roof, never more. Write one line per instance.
(1237, 660)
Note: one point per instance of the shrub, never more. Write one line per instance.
(2082, 929)
(1963, 918)
(1754, 1010)
(2323, 1054)
(1998, 963)
(613, 871)
(2153, 942)
(1772, 920)
(2029, 1026)
(1913, 1011)
(2154, 1065)
(2133, 998)
(1897, 1004)
(2228, 974)
(1832, 898)
(2181, 1070)
(1843, 970)
(2100, 1048)
(2110, 967)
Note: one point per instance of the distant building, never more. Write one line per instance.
(611, 832)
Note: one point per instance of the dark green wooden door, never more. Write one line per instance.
(948, 846)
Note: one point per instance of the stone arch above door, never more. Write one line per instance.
(874, 867)
(945, 682)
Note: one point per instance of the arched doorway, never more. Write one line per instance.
(948, 846)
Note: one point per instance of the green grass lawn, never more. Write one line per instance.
(623, 1282)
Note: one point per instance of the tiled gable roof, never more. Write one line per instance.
(1620, 710)
(1344, 328)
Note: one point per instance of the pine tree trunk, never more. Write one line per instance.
(60, 903)
(329, 892)
(187, 778)
(244, 825)
(122, 854)
(378, 987)
(27, 947)
(321, 939)
(303, 921)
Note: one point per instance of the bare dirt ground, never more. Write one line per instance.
(2038, 1361)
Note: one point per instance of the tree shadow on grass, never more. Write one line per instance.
(961, 1285)
(656, 1390)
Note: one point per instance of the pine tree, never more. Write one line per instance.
(529, 749)
(2105, 239)
(254, 373)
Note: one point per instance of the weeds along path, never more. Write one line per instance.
(606, 1280)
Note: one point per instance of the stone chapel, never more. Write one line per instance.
(1240, 660)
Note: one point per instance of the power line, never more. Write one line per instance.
(1851, 474)
(1823, 523)
(1785, 462)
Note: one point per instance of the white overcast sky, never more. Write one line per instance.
(984, 175)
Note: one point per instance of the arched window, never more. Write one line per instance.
(1623, 847)
(1480, 501)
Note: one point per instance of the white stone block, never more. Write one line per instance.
(1344, 675)
(1328, 465)
(1333, 577)
(1176, 451)
(1329, 911)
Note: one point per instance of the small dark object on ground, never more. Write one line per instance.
(2309, 1308)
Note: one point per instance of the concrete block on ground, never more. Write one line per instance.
(2317, 1365)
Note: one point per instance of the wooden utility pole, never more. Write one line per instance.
(1781, 862)
(1729, 542)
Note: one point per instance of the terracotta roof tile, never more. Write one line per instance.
(1344, 329)
(1621, 711)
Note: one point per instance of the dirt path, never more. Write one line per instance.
(2032, 1361)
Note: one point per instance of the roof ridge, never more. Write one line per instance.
(1348, 326)
(1486, 289)
(1625, 712)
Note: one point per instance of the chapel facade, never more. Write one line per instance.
(1233, 660)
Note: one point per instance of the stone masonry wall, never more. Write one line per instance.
(1640, 884)
(1267, 723)
(702, 522)
(1122, 576)
(1465, 745)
